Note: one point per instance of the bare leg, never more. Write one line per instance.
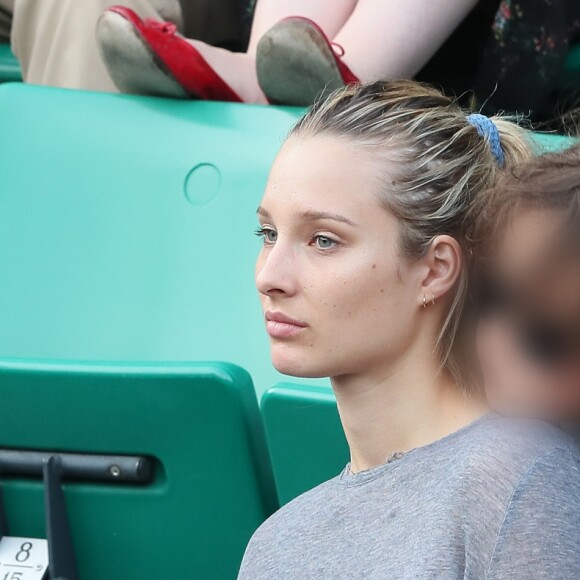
(330, 15)
(239, 69)
(386, 39)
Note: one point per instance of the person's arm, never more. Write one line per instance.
(540, 534)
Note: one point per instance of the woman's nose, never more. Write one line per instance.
(275, 271)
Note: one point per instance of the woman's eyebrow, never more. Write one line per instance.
(311, 215)
(325, 215)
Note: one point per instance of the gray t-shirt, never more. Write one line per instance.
(499, 499)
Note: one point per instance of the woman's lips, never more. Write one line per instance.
(279, 325)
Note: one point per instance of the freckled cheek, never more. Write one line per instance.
(354, 294)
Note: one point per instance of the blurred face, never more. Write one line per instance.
(518, 381)
(337, 297)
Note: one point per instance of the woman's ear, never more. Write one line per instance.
(443, 262)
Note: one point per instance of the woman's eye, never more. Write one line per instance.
(324, 243)
(268, 235)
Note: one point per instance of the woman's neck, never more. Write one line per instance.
(398, 409)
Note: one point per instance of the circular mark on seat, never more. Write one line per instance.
(202, 184)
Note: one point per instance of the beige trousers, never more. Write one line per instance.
(54, 40)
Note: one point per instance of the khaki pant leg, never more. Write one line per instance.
(6, 7)
(55, 39)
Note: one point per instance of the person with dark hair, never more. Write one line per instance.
(527, 235)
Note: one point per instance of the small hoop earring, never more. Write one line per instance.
(424, 301)
(433, 300)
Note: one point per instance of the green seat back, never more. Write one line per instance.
(9, 67)
(305, 437)
(127, 224)
(551, 143)
(128, 227)
(201, 422)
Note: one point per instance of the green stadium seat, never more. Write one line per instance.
(305, 437)
(129, 224)
(9, 67)
(128, 227)
(212, 484)
(551, 143)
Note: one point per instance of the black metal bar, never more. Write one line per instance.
(61, 555)
(108, 468)
(3, 521)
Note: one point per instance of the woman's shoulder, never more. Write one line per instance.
(296, 519)
(496, 439)
(511, 479)
(500, 452)
(308, 502)
(298, 512)
(523, 480)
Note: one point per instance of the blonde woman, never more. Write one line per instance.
(362, 279)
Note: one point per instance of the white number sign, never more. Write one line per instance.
(23, 558)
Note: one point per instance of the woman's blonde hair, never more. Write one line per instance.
(435, 162)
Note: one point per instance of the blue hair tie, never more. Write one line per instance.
(487, 129)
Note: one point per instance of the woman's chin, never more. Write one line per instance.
(295, 365)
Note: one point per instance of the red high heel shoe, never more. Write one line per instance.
(297, 63)
(148, 57)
